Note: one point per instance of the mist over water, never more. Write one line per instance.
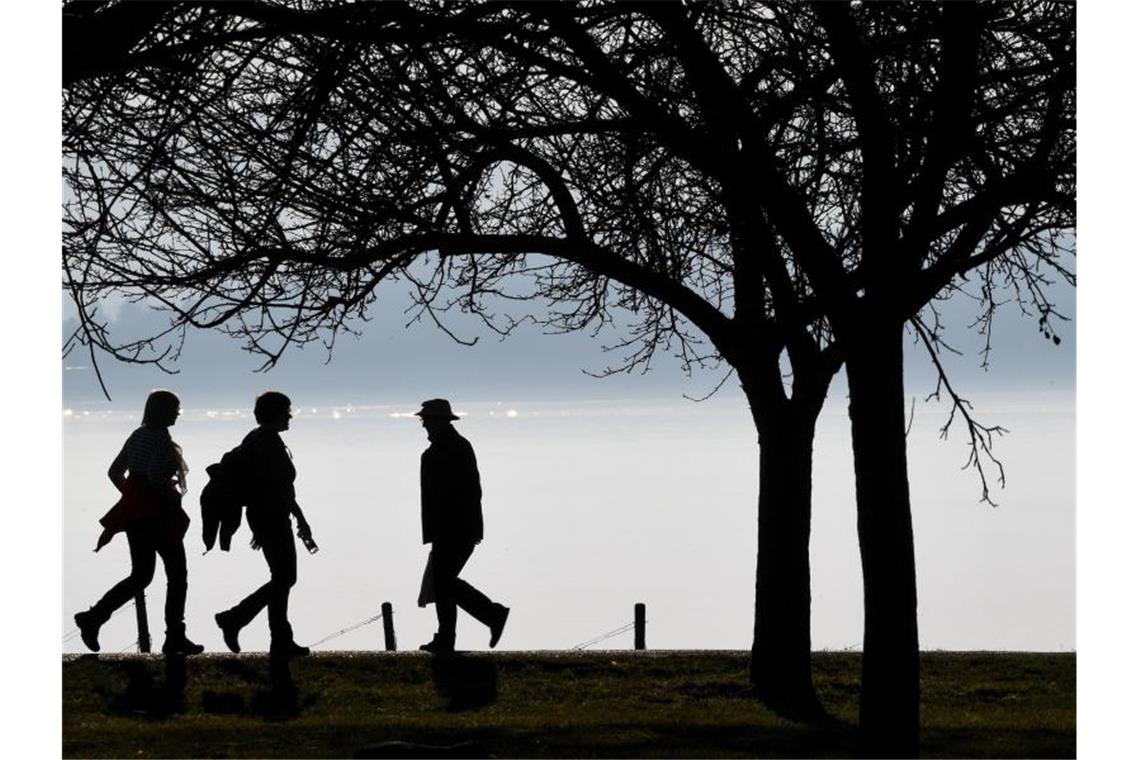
(592, 506)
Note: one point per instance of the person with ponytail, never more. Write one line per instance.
(150, 474)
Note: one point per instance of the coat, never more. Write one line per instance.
(223, 497)
(450, 495)
(270, 491)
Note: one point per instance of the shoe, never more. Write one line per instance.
(499, 624)
(438, 645)
(292, 649)
(229, 631)
(88, 630)
(179, 644)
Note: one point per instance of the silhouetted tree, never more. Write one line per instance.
(748, 180)
(292, 197)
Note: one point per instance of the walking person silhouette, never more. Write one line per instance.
(452, 516)
(271, 501)
(151, 477)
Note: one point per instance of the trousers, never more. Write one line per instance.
(280, 552)
(451, 591)
(147, 542)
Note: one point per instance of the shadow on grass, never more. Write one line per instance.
(466, 683)
(145, 696)
(601, 705)
(279, 697)
(275, 696)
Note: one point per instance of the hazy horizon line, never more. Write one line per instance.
(408, 405)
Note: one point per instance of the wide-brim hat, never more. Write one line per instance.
(436, 408)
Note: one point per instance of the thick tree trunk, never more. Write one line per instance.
(780, 669)
(781, 646)
(888, 706)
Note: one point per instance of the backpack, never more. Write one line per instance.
(222, 498)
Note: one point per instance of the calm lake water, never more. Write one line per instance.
(593, 506)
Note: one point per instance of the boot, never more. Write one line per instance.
(230, 630)
(288, 649)
(176, 643)
(439, 644)
(499, 623)
(88, 629)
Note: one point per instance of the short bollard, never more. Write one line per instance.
(639, 626)
(389, 627)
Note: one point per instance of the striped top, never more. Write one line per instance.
(151, 453)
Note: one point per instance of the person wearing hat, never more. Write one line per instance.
(150, 474)
(452, 515)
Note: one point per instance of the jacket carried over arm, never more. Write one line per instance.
(450, 494)
(147, 473)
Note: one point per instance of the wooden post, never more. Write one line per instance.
(389, 627)
(639, 626)
(140, 618)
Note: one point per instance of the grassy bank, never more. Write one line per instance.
(542, 704)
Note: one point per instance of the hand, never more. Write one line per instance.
(304, 532)
(254, 544)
